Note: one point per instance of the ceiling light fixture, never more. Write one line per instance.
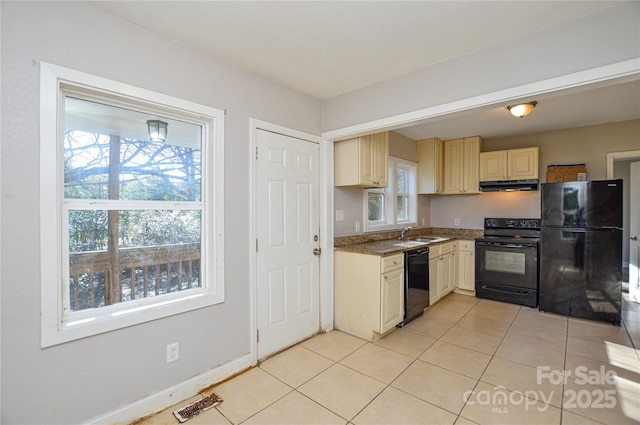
(522, 110)
(157, 130)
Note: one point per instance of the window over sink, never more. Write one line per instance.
(395, 206)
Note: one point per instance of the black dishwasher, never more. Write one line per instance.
(416, 283)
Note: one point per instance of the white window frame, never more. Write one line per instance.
(58, 326)
(391, 221)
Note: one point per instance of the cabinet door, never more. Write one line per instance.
(466, 270)
(392, 299)
(381, 158)
(429, 166)
(493, 166)
(434, 293)
(448, 272)
(453, 165)
(375, 160)
(470, 164)
(438, 167)
(367, 162)
(523, 163)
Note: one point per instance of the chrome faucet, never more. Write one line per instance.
(404, 232)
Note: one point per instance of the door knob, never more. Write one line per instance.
(317, 251)
(634, 238)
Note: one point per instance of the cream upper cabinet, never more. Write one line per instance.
(493, 166)
(362, 161)
(522, 164)
(368, 293)
(461, 165)
(471, 164)
(430, 154)
(512, 164)
(453, 157)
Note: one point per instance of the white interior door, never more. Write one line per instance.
(634, 231)
(287, 230)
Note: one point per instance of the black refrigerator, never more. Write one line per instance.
(581, 249)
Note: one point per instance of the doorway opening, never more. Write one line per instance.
(620, 166)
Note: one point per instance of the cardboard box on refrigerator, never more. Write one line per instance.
(566, 173)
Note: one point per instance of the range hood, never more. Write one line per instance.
(508, 185)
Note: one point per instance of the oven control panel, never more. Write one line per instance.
(514, 223)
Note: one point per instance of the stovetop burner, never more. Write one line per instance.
(511, 230)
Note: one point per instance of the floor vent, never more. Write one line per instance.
(197, 407)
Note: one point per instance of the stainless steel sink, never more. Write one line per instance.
(410, 244)
(419, 241)
(429, 239)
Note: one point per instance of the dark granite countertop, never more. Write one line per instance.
(387, 243)
(391, 246)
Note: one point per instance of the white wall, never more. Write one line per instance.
(600, 39)
(472, 209)
(79, 380)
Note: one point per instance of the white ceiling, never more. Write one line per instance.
(328, 48)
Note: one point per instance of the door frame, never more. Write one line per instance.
(325, 182)
(612, 157)
(619, 156)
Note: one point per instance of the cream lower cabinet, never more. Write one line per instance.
(369, 293)
(442, 270)
(466, 278)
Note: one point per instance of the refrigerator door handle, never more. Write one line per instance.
(566, 229)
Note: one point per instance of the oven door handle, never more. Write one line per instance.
(506, 245)
(519, 291)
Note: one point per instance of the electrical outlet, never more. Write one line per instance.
(357, 226)
(456, 221)
(173, 352)
(339, 215)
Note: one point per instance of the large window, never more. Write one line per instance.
(136, 233)
(395, 206)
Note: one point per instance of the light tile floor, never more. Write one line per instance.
(465, 361)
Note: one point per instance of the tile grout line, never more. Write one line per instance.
(417, 358)
(457, 415)
(564, 367)
(488, 363)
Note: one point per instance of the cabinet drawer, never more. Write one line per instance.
(434, 251)
(467, 245)
(446, 248)
(391, 263)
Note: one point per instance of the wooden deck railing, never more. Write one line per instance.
(145, 272)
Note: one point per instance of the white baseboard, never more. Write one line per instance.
(161, 400)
